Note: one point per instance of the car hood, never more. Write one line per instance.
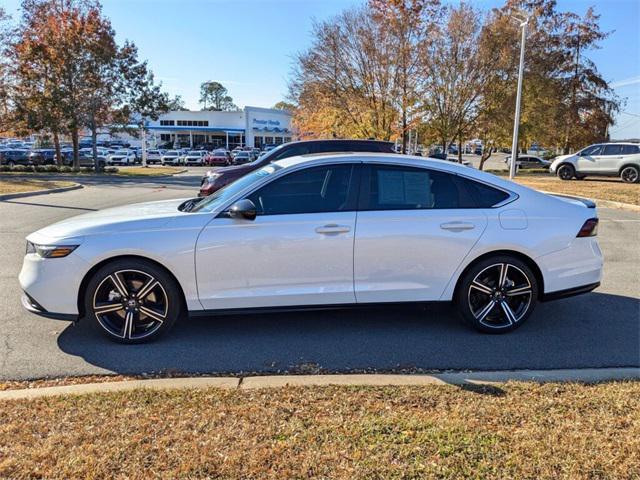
(559, 158)
(136, 217)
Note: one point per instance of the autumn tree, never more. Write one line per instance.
(176, 103)
(455, 75)
(214, 96)
(407, 25)
(286, 106)
(5, 68)
(343, 83)
(71, 74)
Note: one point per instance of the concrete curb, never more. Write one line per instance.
(586, 375)
(34, 193)
(617, 205)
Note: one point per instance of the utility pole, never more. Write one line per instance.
(516, 121)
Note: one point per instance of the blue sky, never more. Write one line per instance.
(247, 45)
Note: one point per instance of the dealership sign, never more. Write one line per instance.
(266, 122)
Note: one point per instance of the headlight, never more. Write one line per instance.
(50, 251)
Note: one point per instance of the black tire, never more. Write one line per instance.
(490, 309)
(123, 315)
(11, 163)
(566, 172)
(630, 174)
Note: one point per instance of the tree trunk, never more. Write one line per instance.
(460, 147)
(94, 148)
(75, 142)
(404, 132)
(56, 145)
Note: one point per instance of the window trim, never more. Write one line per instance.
(365, 182)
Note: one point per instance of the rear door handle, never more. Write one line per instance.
(333, 228)
(457, 226)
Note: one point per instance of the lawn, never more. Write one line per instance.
(517, 430)
(598, 188)
(20, 185)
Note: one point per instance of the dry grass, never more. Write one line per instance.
(599, 188)
(20, 185)
(149, 171)
(513, 431)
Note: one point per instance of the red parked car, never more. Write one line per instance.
(220, 158)
(216, 179)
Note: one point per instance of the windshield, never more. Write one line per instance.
(223, 195)
(172, 152)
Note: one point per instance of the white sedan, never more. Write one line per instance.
(318, 231)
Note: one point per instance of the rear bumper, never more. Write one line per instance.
(569, 292)
(575, 269)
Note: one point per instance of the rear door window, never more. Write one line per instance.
(612, 149)
(393, 187)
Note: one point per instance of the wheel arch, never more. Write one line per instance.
(91, 272)
(519, 255)
(625, 165)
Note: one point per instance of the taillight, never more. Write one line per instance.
(589, 229)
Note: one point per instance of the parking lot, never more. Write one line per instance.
(600, 329)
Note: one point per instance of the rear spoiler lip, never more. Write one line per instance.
(585, 201)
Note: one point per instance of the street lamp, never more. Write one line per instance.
(516, 120)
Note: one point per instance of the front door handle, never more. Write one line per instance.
(333, 228)
(457, 226)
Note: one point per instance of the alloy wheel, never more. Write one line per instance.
(629, 175)
(565, 172)
(500, 295)
(130, 304)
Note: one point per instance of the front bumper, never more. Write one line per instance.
(52, 284)
(33, 306)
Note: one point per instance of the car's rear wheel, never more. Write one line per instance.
(630, 174)
(133, 301)
(497, 294)
(566, 172)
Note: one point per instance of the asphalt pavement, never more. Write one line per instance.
(599, 329)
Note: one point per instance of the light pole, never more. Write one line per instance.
(516, 120)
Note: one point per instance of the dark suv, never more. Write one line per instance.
(215, 180)
(14, 157)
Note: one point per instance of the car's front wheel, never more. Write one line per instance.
(566, 172)
(497, 294)
(132, 301)
(630, 174)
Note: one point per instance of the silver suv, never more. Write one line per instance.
(604, 159)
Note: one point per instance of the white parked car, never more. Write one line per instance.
(121, 157)
(171, 157)
(194, 158)
(318, 231)
(603, 159)
(154, 156)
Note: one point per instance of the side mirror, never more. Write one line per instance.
(244, 209)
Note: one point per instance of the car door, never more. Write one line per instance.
(611, 158)
(414, 228)
(588, 159)
(297, 251)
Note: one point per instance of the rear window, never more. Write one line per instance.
(483, 195)
(630, 149)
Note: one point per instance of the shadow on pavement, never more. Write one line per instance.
(593, 330)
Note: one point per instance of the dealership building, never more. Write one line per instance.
(252, 126)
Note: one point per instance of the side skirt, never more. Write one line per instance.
(308, 308)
